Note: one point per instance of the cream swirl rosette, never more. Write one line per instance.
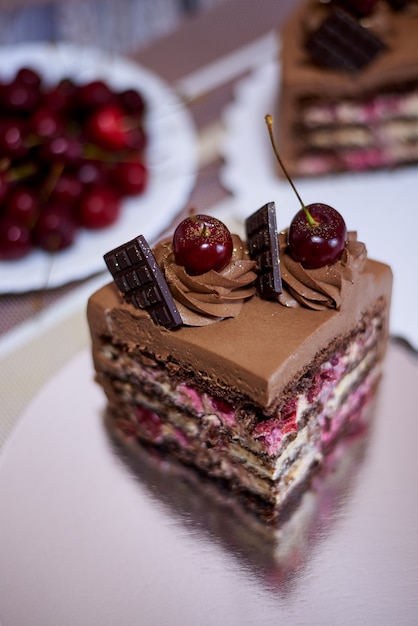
(319, 288)
(212, 296)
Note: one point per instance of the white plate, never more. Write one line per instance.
(381, 206)
(172, 159)
(84, 540)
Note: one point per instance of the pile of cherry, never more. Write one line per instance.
(69, 155)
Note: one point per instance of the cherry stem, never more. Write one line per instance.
(21, 172)
(4, 164)
(269, 122)
(52, 179)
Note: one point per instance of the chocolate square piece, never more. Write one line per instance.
(342, 43)
(140, 280)
(263, 247)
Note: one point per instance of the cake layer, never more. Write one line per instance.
(334, 120)
(265, 461)
(251, 358)
(255, 401)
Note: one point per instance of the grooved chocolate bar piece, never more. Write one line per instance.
(139, 278)
(263, 247)
(342, 43)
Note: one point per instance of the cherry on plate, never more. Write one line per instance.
(46, 124)
(67, 189)
(99, 208)
(63, 149)
(129, 177)
(55, 228)
(132, 102)
(22, 205)
(60, 98)
(94, 94)
(12, 138)
(91, 172)
(106, 126)
(29, 76)
(15, 239)
(19, 97)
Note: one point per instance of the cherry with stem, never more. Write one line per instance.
(317, 234)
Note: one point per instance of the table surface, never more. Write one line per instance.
(203, 60)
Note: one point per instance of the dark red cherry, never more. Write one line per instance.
(319, 243)
(22, 205)
(129, 177)
(67, 189)
(202, 243)
(92, 172)
(45, 123)
(63, 149)
(15, 240)
(106, 127)
(94, 94)
(317, 234)
(61, 97)
(29, 76)
(20, 96)
(100, 207)
(132, 102)
(12, 138)
(135, 136)
(55, 228)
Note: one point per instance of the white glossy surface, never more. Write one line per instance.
(171, 156)
(381, 206)
(84, 540)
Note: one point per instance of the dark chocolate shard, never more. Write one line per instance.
(342, 43)
(139, 278)
(263, 247)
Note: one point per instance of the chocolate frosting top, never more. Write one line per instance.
(212, 296)
(320, 288)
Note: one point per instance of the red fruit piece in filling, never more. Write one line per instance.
(150, 423)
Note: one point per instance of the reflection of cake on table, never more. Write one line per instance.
(348, 98)
(276, 552)
(252, 392)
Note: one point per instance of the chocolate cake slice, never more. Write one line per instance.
(252, 392)
(348, 95)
